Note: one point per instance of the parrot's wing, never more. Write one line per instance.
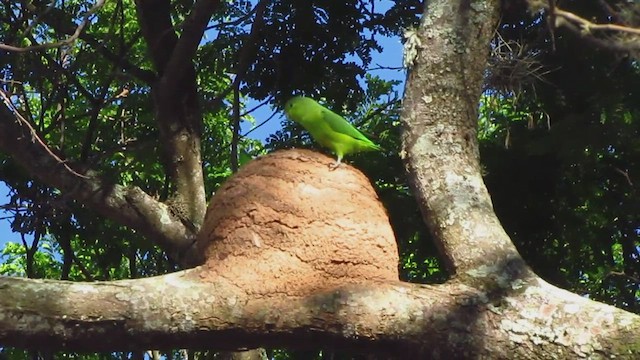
(338, 124)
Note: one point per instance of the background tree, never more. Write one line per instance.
(119, 117)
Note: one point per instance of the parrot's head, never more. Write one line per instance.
(297, 106)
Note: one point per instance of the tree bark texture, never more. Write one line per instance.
(175, 96)
(440, 145)
(403, 320)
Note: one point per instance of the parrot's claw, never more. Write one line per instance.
(335, 165)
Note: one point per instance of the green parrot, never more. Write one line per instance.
(327, 128)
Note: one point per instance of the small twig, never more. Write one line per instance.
(551, 23)
(235, 22)
(380, 67)
(375, 112)
(262, 123)
(623, 274)
(12, 82)
(67, 41)
(34, 134)
(256, 107)
(83, 269)
(235, 128)
(587, 25)
(38, 18)
(246, 52)
(625, 174)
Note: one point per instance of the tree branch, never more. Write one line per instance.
(391, 318)
(176, 101)
(129, 206)
(587, 26)
(53, 19)
(26, 127)
(584, 28)
(184, 50)
(235, 130)
(439, 137)
(76, 34)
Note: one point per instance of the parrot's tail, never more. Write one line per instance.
(372, 147)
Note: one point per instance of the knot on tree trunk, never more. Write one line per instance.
(286, 223)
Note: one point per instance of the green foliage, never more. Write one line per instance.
(565, 195)
(14, 261)
(86, 106)
(561, 161)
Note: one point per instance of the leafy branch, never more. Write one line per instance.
(69, 40)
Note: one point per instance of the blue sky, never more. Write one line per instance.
(391, 56)
(6, 235)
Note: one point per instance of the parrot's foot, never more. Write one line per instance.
(335, 165)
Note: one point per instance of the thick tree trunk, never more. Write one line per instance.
(439, 138)
(180, 310)
(175, 96)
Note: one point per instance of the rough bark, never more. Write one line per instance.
(439, 138)
(175, 96)
(403, 320)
